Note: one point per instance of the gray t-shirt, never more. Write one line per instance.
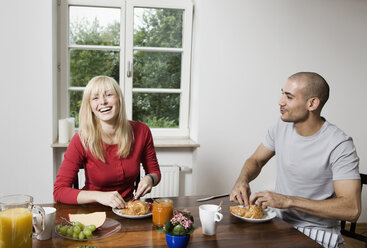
(307, 167)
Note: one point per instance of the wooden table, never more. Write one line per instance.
(231, 232)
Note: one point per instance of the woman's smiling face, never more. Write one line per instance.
(105, 105)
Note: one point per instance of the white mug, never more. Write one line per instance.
(50, 214)
(209, 216)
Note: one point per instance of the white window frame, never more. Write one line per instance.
(126, 49)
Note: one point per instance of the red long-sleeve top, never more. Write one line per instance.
(116, 174)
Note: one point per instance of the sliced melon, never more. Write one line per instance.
(96, 218)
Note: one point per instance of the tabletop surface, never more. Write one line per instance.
(231, 231)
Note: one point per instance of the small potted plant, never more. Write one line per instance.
(178, 229)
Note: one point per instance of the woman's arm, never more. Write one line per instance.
(149, 157)
(111, 198)
(145, 185)
(73, 159)
(150, 165)
(75, 156)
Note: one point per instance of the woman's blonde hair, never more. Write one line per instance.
(90, 130)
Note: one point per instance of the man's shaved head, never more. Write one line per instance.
(314, 85)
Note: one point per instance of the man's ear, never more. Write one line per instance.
(313, 103)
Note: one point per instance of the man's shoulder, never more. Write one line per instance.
(334, 132)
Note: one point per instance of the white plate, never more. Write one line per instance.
(269, 214)
(117, 211)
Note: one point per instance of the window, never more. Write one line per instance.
(144, 44)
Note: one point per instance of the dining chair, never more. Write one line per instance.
(76, 180)
(352, 230)
(136, 183)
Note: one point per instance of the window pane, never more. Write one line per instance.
(157, 70)
(158, 27)
(85, 64)
(157, 110)
(94, 26)
(75, 102)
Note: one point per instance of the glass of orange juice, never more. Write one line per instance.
(16, 213)
(162, 211)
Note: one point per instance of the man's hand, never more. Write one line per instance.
(112, 199)
(251, 169)
(145, 186)
(267, 198)
(240, 193)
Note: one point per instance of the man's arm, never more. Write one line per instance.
(346, 205)
(251, 169)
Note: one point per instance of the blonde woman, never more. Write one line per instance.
(110, 148)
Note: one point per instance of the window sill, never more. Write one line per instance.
(166, 142)
(159, 142)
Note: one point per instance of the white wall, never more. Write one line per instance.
(27, 85)
(243, 52)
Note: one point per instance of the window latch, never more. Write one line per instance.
(129, 70)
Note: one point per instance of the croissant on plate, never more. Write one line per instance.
(135, 208)
(253, 212)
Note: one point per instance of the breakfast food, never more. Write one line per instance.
(135, 208)
(253, 212)
(81, 226)
(76, 230)
(97, 218)
(238, 210)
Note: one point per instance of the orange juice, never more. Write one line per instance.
(162, 211)
(16, 228)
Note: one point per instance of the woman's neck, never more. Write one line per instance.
(108, 133)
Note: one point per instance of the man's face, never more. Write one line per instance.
(293, 105)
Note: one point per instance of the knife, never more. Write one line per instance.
(212, 197)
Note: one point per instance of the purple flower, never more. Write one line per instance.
(182, 220)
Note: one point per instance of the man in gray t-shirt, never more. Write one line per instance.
(318, 181)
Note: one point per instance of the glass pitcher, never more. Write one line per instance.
(16, 221)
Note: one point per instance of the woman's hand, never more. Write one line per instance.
(145, 186)
(111, 198)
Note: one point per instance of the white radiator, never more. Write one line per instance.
(169, 184)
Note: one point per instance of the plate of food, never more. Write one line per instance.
(85, 227)
(253, 214)
(135, 210)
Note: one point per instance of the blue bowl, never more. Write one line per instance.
(177, 241)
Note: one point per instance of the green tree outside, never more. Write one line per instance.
(158, 28)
